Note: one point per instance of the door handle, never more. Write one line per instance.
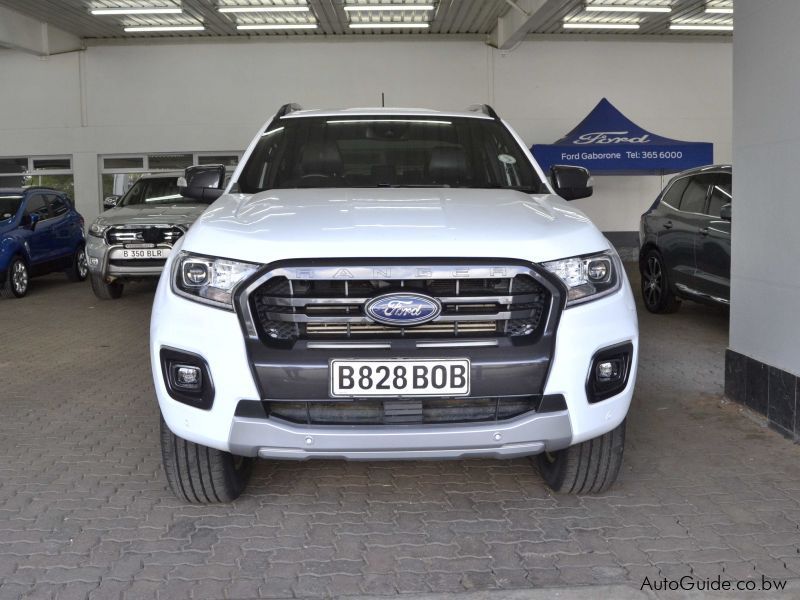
(703, 231)
(668, 225)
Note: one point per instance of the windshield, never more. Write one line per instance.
(155, 190)
(386, 151)
(9, 205)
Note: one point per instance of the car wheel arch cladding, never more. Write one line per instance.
(400, 309)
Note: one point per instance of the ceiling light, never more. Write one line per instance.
(262, 9)
(145, 28)
(154, 10)
(601, 26)
(679, 27)
(389, 25)
(388, 7)
(719, 11)
(275, 26)
(627, 8)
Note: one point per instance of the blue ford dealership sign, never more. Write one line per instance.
(608, 143)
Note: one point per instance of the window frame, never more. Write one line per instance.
(44, 195)
(704, 205)
(711, 192)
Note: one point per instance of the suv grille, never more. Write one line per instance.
(145, 234)
(285, 309)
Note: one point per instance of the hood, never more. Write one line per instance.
(393, 222)
(168, 214)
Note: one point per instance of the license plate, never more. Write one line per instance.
(130, 254)
(399, 377)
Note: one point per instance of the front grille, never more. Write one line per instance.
(287, 309)
(403, 411)
(145, 234)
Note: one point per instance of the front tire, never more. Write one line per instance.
(106, 291)
(586, 468)
(17, 280)
(656, 288)
(201, 475)
(79, 268)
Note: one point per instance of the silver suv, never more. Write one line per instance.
(134, 237)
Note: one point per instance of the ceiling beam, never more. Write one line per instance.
(514, 25)
(23, 33)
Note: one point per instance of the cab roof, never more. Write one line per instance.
(383, 112)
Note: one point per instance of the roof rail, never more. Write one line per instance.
(485, 109)
(288, 108)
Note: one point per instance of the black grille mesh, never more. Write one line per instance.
(403, 411)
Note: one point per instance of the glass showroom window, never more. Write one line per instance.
(118, 173)
(48, 171)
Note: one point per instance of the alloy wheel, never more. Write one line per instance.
(19, 278)
(653, 281)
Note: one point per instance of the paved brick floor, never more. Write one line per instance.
(84, 509)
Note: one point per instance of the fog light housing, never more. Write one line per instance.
(93, 262)
(187, 378)
(609, 372)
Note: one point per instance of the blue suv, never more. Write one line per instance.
(40, 232)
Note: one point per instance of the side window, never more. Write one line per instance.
(720, 194)
(673, 196)
(58, 205)
(694, 197)
(37, 206)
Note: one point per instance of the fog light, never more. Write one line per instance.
(608, 370)
(187, 377)
(93, 261)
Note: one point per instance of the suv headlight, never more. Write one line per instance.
(97, 229)
(588, 277)
(208, 279)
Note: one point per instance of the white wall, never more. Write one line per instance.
(765, 277)
(212, 96)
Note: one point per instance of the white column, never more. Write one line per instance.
(765, 268)
(87, 185)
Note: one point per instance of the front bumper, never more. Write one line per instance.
(273, 438)
(98, 257)
(217, 336)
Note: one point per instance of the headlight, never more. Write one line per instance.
(588, 277)
(97, 229)
(207, 279)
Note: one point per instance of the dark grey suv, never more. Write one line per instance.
(685, 241)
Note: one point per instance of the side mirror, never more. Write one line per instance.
(725, 212)
(571, 182)
(205, 183)
(110, 202)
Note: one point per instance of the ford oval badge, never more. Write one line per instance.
(402, 310)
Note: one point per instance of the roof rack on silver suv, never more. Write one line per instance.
(485, 109)
(288, 108)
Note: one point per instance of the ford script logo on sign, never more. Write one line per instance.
(403, 309)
